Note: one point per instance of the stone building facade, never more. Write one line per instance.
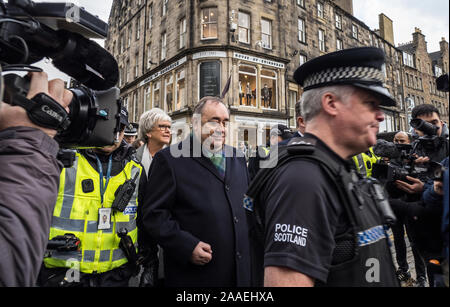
(420, 71)
(173, 52)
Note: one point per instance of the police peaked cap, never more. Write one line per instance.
(360, 67)
(130, 130)
(281, 130)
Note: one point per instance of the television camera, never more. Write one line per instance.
(401, 163)
(32, 31)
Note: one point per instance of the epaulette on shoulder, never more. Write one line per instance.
(301, 145)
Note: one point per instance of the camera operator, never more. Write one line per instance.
(398, 231)
(422, 217)
(29, 180)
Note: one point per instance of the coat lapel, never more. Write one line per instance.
(205, 161)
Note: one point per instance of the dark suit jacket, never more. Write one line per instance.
(187, 201)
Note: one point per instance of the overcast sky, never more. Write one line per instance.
(431, 16)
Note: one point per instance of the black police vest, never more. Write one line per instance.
(362, 255)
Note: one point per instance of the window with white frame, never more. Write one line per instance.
(408, 59)
(165, 7)
(120, 76)
(168, 95)
(319, 9)
(136, 65)
(127, 69)
(149, 56)
(354, 31)
(150, 16)
(130, 35)
(138, 27)
(400, 100)
(155, 97)
(244, 27)
(303, 59)
(321, 36)
(268, 89)
(125, 102)
(183, 31)
(147, 100)
(180, 89)
(134, 106)
(209, 23)
(247, 85)
(163, 46)
(339, 44)
(301, 3)
(266, 33)
(338, 20)
(292, 101)
(437, 71)
(301, 30)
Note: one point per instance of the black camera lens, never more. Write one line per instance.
(425, 127)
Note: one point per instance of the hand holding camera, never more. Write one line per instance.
(13, 116)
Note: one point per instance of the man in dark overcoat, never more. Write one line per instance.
(193, 205)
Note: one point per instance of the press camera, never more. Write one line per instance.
(401, 163)
(32, 31)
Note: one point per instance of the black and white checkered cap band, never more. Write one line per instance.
(366, 74)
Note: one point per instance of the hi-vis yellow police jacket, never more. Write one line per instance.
(365, 161)
(77, 212)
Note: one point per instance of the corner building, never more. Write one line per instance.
(173, 52)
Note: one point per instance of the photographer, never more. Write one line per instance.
(401, 138)
(29, 168)
(422, 218)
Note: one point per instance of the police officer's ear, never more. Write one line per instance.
(330, 103)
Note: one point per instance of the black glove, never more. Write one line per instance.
(149, 275)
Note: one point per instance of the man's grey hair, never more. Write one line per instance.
(311, 101)
(198, 109)
(148, 120)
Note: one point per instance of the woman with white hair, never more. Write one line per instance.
(155, 130)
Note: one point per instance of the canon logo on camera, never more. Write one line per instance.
(52, 113)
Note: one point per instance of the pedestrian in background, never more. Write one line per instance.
(130, 133)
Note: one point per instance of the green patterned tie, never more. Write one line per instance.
(219, 162)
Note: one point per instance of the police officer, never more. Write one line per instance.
(320, 227)
(85, 207)
(130, 133)
(278, 134)
(365, 161)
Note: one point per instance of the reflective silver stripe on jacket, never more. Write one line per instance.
(89, 255)
(69, 190)
(361, 165)
(78, 225)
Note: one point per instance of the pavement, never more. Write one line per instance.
(409, 256)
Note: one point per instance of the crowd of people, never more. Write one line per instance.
(200, 213)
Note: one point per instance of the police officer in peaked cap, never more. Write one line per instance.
(325, 225)
(130, 134)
